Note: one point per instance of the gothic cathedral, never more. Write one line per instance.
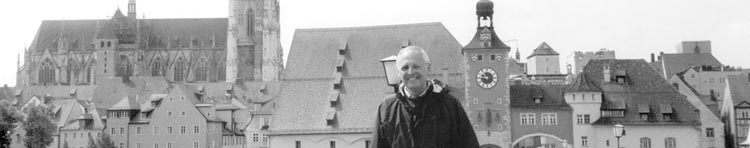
(243, 47)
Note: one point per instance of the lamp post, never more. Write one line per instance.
(619, 131)
(391, 72)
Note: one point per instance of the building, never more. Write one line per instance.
(654, 114)
(711, 123)
(540, 116)
(85, 52)
(707, 82)
(694, 47)
(735, 111)
(333, 81)
(581, 58)
(544, 60)
(667, 65)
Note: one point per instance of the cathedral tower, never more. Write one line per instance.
(486, 81)
(253, 46)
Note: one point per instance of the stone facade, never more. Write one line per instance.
(581, 58)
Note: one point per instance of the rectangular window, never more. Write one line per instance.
(255, 137)
(169, 129)
(122, 145)
(195, 144)
(586, 119)
(112, 132)
(667, 117)
(297, 144)
(549, 118)
(644, 117)
(266, 121)
(367, 143)
(579, 118)
(138, 130)
(122, 130)
(182, 129)
(742, 132)
(156, 130)
(196, 129)
(265, 140)
(709, 132)
(138, 145)
(169, 144)
(333, 144)
(584, 141)
(156, 145)
(528, 118)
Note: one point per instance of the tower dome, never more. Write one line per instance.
(485, 8)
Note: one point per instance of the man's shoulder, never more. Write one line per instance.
(392, 99)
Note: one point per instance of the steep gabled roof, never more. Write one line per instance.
(543, 49)
(739, 87)
(126, 103)
(314, 52)
(644, 86)
(522, 96)
(583, 84)
(674, 63)
(111, 91)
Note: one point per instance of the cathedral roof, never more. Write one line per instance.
(156, 33)
(522, 96)
(543, 49)
(583, 84)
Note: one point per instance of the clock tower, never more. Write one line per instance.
(486, 82)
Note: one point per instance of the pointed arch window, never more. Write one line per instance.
(124, 68)
(157, 69)
(250, 22)
(47, 72)
(179, 70)
(72, 70)
(201, 72)
(221, 71)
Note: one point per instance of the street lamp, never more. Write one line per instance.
(391, 72)
(619, 131)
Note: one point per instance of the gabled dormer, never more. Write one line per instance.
(583, 90)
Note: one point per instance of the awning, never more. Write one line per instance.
(620, 73)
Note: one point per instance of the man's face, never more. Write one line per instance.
(412, 69)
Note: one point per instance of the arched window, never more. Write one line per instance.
(179, 70)
(645, 142)
(670, 142)
(47, 72)
(221, 71)
(157, 67)
(72, 70)
(124, 68)
(201, 72)
(250, 22)
(101, 44)
(109, 43)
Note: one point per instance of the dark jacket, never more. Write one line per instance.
(434, 120)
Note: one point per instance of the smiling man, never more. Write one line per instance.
(421, 114)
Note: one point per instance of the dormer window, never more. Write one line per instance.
(644, 110)
(620, 76)
(667, 112)
(342, 47)
(537, 99)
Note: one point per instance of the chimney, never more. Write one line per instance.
(652, 57)
(607, 76)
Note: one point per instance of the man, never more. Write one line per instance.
(421, 114)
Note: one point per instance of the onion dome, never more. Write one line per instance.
(485, 8)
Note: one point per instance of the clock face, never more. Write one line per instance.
(486, 78)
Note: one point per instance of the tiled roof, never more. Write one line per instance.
(111, 91)
(522, 96)
(543, 49)
(314, 52)
(126, 103)
(674, 63)
(583, 84)
(85, 31)
(739, 87)
(644, 86)
(83, 92)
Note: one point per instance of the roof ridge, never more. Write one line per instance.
(368, 27)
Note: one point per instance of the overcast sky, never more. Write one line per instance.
(633, 28)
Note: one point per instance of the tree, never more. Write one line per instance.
(9, 116)
(105, 141)
(92, 142)
(39, 127)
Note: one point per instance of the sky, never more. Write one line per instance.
(632, 28)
